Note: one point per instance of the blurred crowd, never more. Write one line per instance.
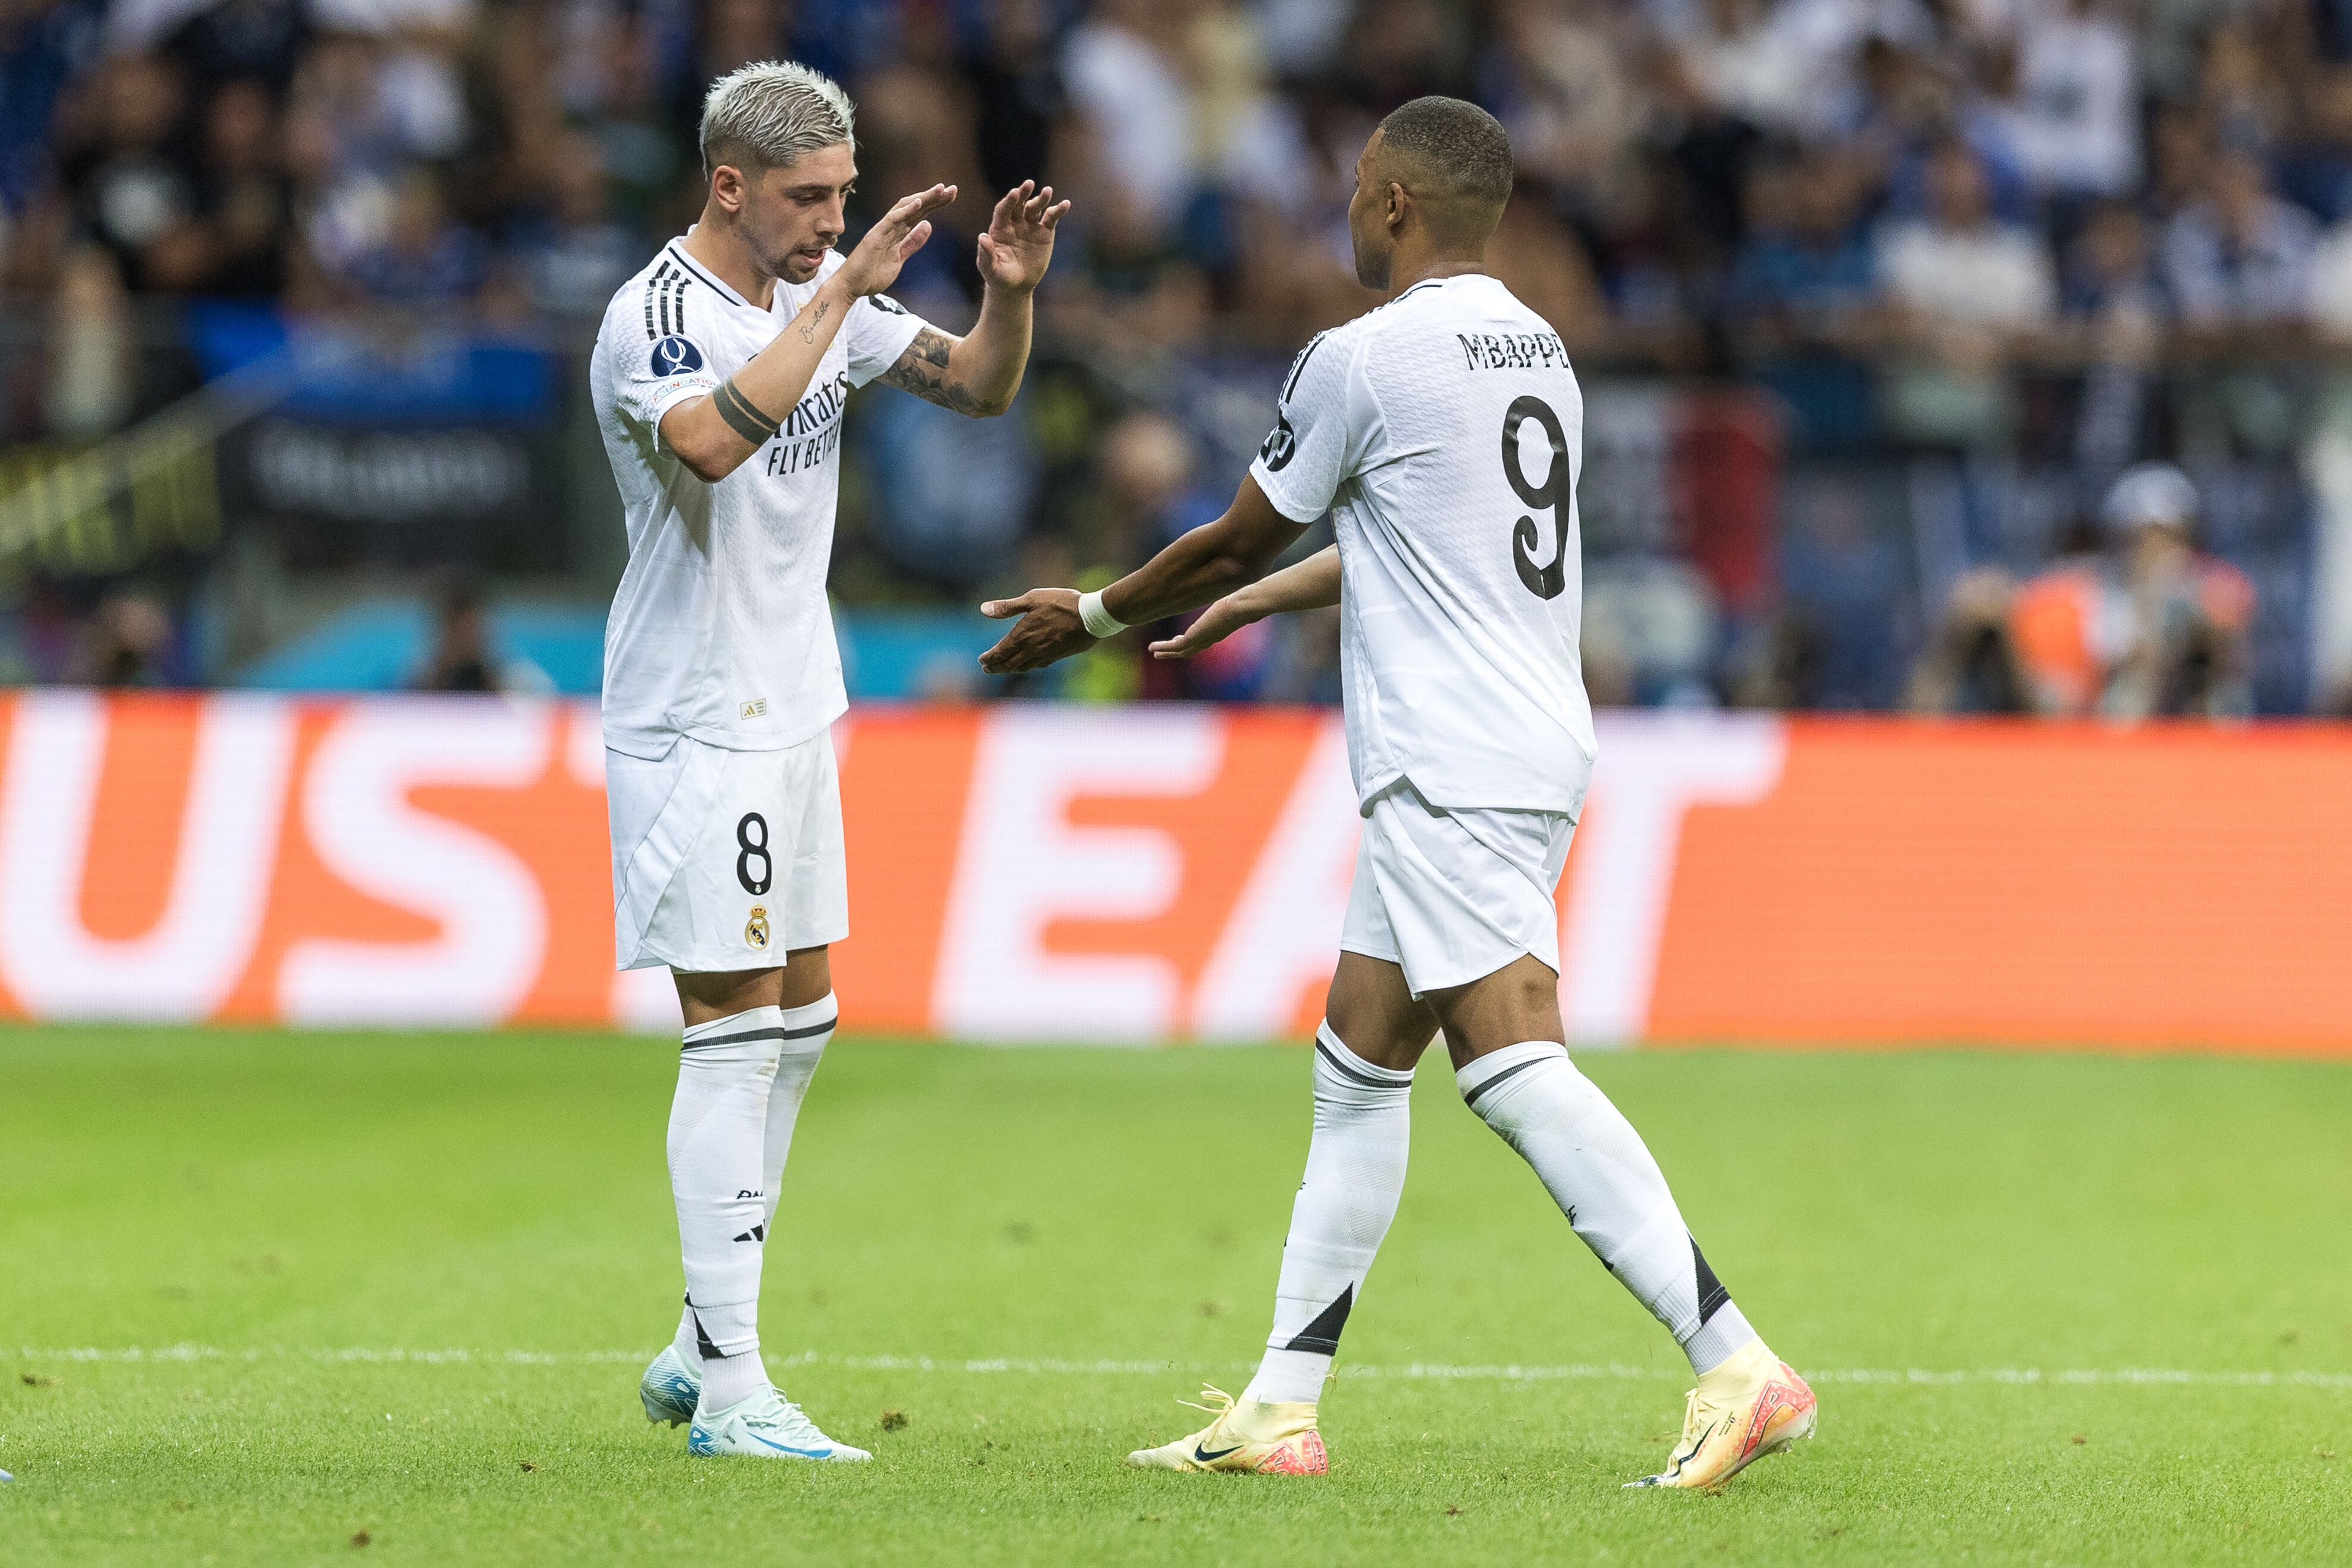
(2081, 234)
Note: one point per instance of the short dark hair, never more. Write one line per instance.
(1461, 149)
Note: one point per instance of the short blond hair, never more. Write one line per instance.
(770, 113)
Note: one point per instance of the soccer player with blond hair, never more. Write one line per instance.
(720, 378)
(1443, 432)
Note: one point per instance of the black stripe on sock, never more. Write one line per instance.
(703, 1341)
(1322, 1336)
(1471, 1098)
(778, 1033)
(1350, 1074)
(1712, 1297)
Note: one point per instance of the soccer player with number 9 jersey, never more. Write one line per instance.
(1443, 432)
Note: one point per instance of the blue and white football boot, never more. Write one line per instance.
(767, 1425)
(671, 1389)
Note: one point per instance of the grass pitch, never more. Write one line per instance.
(389, 1296)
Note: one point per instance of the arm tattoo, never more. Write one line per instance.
(742, 415)
(923, 371)
(808, 334)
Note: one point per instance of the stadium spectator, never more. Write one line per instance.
(1971, 664)
(44, 47)
(235, 246)
(1754, 62)
(2237, 265)
(1014, 82)
(1802, 298)
(130, 184)
(1568, 91)
(2188, 613)
(129, 642)
(2237, 262)
(2115, 313)
(2314, 169)
(1125, 69)
(1999, 250)
(2152, 627)
(426, 255)
(241, 42)
(91, 374)
(613, 97)
(574, 252)
(1966, 290)
(2077, 128)
(463, 656)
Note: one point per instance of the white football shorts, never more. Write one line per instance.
(725, 860)
(1453, 896)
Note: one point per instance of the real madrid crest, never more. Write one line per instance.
(755, 929)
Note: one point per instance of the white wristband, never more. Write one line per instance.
(1100, 623)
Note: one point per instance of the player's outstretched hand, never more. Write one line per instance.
(873, 265)
(1214, 625)
(1049, 628)
(1019, 243)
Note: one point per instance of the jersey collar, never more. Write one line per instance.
(678, 254)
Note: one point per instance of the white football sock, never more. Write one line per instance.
(807, 1031)
(730, 1380)
(1601, 1175)
(718, 1127)
(1355, 1174)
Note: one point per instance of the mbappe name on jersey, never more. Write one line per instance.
(1512, 351)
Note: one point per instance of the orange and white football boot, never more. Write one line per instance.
(1751, 1406)
(1247, 1435)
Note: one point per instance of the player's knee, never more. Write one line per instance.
(1381, 1042)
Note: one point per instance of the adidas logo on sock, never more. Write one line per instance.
(757, 1233)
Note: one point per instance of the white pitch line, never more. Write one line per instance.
(1433, 1371)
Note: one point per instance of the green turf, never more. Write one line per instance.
(279, 1198)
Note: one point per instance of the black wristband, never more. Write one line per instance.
(748, 422)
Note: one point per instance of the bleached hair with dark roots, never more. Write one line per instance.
(770, 113)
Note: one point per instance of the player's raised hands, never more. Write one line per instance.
(1019, 243)
(873, 265)
(1049, 629)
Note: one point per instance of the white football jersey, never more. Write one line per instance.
(1444, 431)
(721, 629)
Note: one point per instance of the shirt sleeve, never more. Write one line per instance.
(1322, 427)
(877, 333)
(654, 374)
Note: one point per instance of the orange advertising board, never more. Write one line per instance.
(1167, 872)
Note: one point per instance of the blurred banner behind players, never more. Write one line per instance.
(1139, 875)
